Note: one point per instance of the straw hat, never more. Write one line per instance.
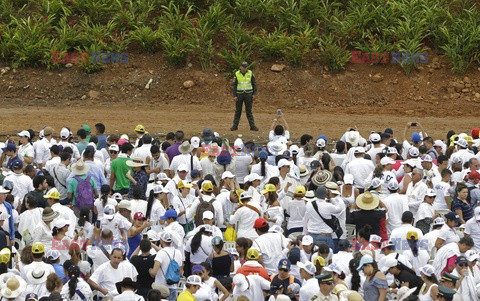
(13, 287)
(5, 254)
(49, 215)
(321, 177)
(367, 201)
(37, 276)
(136, 162)
(80, 168)
(185, 147)
(276, 147)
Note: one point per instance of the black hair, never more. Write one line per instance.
(126, 147)
(197, 240)
(445, 172)
(145, 245)
(88, 154)
(32, 135)
(365, 232)
(413, 244)
(29, 168)
(147, 139)
(68, 149)
(340, 146)
(274, 180)
(105, 191)
(264, 229)
(468, 241)
(207, 266)
(154, 295)
(323, 249)
(94, 139)
(338, 174)
(154, 149)
(278, 130)
(73, 274)
(210, 178)
(64, 156)
(170, 136)
(30, 201)
(83, 216)
(263, 171)
(179, 136)
(165, 145)
(55, 149)
(38, 180)
(50, 180)
(305, 138)
(326, 160)
(82, 133)
(355, 281)
(422, 149)
(151, 199)
(100, 128)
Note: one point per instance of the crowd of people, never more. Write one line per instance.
(387, 216)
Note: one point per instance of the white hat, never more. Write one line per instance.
(182, 167)
(375, 238)
(404, 292)
(413, 152)
(282, 297)
(4, 216)
(207, 214)
(117, 196)
(245, 195)
(194, 280)
(233, 251)
(374, 137)
(166, 236)
(152, 235)
(308, 267)
(462, 143)
(157, 189)
(38, 275)
(427, 270)
(12, 286)
(391, 151)
(124, 204)
(427, 158)
(376, 182)
(162, 177)
(275, 229)
(3, 190)
(254, 177)
(294, 149)
(333, 268)
(60, 223)
(240, 282)
(409, 162)
(109, 211)
(41, 134)
(282, 163)
(359, 150)
(307, 240)
(321, 143)
(54, 254)
(195, 141)
(392, 185)
(430, 192)
(238, 144)
(390, 262)
(476, 212)
(276, 147)
(24, 134)
(227, 174)
(471, 255)
(114, 147)
(352, 137)
(348, 179)
(64, 133)
(440, 221)
(387, 160)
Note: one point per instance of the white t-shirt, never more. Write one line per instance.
(99, 205)
(203, 251)
(163, 257)
(472, 228)
(138, 206)
(270, 246)
(441, 191)
(26, 150)
(22, 184)
(419, 261)
(114, 225)
(448, 234)
(254, 292)
(424, 211)
(106, 276)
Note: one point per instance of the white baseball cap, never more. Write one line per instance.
(307, 240)
(207, 215)
(374, 137)
(427, 270)
(413, 152)
(162, 177)
(392, 185)
(390, 262)
(461, 142)
(348, 179)
(24, 134)
(359, 150)
(64, 133)
(308, 267)
(387, 160)
(114, 147)
(238, 144)
(321, 143)
(240, 282)
(427, 158)
(282, 163)
(109, 211)
(182, 167)
(60, 223)
(194, 280)
(227, 174)
(195, 141)
(430, 192)
(440, 221)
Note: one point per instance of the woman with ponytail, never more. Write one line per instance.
(265, 170)
(76, 258)
(76, 289)
(355, 280)
(103, 201)
(60, 241)
(418, 255)
(156, 207)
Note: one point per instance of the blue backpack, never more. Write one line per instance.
(84, 196)
(173, 271)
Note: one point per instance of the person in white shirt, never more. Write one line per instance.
(190, 161)
(126, 288)
(157, 163)
(53, 197)
(162, 261)
(99, 246)
(398, 235)
(313, 222)
(22, 184)
(377, 147)
(396, 205)
(25, 151)
(277, 131)
(251, 286)
(448, 233)
(344, 255)
(431, 237)
(108, 274)
(43, 148)
(76, 289)
(245, 216)
(54, 158)
(29, 219)
(442, 191)
(462, 153)
(182, 202)
(296, 209)
(339, 155)
(416, 190)
(310, 285)
(265, 170)
(360, 168)
(199, 246)
(387, 173)
(472, 229)
(144, 150)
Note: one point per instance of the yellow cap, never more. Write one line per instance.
(319, 260)
(269, 188)
(140, 128)
(469, 139)
(181, 185)
(207, 186)
(412, 235)
(52, 194)
(300, 190)
(5, 254)
(238, 192)
(252, 253)
(38, 248)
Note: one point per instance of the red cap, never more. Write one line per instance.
(474, 175)
(139, 215)
(475, 133)
(260, 223)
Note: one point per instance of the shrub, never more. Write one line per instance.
(332, 53)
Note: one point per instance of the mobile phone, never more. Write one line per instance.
(97, 224)
(413, 124)
(279, 112)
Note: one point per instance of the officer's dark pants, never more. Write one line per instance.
(241, 98)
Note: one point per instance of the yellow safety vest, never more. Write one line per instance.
(244, 81)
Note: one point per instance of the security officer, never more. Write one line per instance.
(244, 87)
(449, 281)
(445, 294)
(326, 287)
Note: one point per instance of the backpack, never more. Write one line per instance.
(84, 195)
(173, 271)
(202, 207)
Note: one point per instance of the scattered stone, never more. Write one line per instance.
(477, 95)
(188, 84)
(93, 94)
(377, 78)
(189, 65)
(9, 88)
(84, 97)
(147, 86)
(465, 90)
(468, 85)
(277, 67)
(26, 87)
(4, 70)
(69, 65)
(466, 79)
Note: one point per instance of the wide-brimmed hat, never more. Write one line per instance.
(276, 147)
(367, 201)
(80, 168)
(352, 137)
(185, 147)
(404, 292)
(136, 162)
(12, 286)
(37, 276)
(321, 177)
(126, 282)
(49, 214)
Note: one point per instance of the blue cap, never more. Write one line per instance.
(10, 147)
(263, 154)
(31, 296)
(169, 213)
(453, 216)
(284, 264)
(90, 148)
(17, 164)
(365, 260)
(416, 137)
(195, 173)
(294, 255)
(322, 136)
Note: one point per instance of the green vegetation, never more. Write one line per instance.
(222, 33)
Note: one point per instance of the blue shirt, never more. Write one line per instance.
(60, 272)
(102, 142)
(11, 161)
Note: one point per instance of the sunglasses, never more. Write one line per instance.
(327, 283)
(463, 264)
(285, 270)
(198, 274)
(113, 152)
